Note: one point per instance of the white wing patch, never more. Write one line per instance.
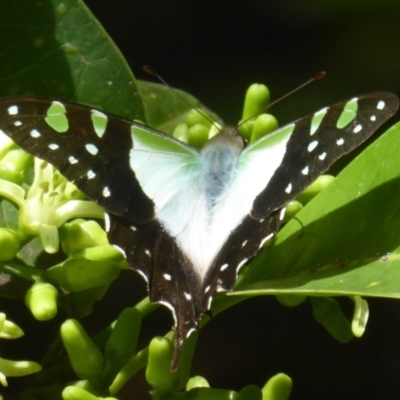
(172, 179)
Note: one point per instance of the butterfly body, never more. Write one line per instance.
(188, 220)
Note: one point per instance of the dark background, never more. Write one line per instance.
(214, 50)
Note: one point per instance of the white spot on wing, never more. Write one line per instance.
(282, 213)
(90, 174)
(107, 222)
(167, 277)
(147, 251)
(381, 105)
(209, 302)
(12, 110)
(357, 128)
(288, 188)
(106, 192)
(340, 141)
(372, 118)
(207, 289)
(35, 133)
(133, 228)
(53, 146)
(244, 243)
(92, 149)
(322, 156)
(305, 171)
(188, 296)
(312, 146)
(72, 160)
(17, 123)
(223, 267)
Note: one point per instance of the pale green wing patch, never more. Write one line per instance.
(145, 138)
(348, 114)
(56, 117)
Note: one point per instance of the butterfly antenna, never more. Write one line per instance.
(151, 71)
(317, 77)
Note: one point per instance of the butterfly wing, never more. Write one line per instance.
(312, 145)
(276, 168)
(142, 178)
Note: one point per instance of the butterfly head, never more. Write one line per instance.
(227, 137)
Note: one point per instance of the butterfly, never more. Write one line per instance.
(188, 220)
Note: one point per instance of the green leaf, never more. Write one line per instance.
(165, 109)
(58, 49)
(346, 240)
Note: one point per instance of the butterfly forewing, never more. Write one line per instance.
(317, 141)
(97, 161)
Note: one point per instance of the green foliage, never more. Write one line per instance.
(58, 49)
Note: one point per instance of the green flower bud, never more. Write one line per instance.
(264, 124)
(250, 392)
(9, 244)
(102, 252)
(360, 316)
(76, 275)
(18, 368)
(194, 117)
(197, 382)
(77, 393)
(158, 372)
(80, 234)
(278, 387)
(15, 165)
(291, 300)
(207, 394)
(292, 208)
(41, 299)
(198, 135)
(316, 187)
(121, 345)
(9, 330)
(85, 357)
(257, 97)
(327, 312)
(181, 133)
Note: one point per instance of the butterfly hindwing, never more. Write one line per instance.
(242, 245)
(169, 275)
